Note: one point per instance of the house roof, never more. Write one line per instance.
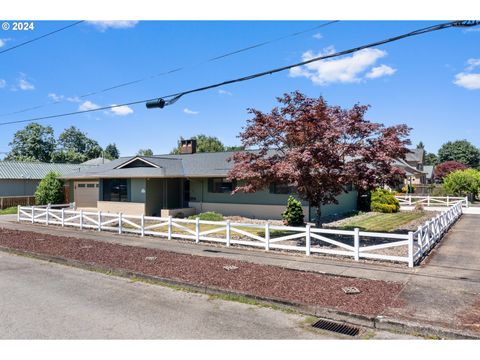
(96, 161)
(182, 165)
(429, 170)
(415, 155)
(35, 170)
(212, 164)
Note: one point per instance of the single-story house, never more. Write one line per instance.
(187, 183)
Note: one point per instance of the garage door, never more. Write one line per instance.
(86, 193)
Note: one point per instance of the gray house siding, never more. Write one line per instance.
(18, 187)
(199, 193)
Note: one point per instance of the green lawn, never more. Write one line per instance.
(381, 222)
(10, 210)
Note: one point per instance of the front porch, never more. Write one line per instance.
(149, 196)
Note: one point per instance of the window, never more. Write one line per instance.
(282, 189)
(81, 185)
(220, 186)
(115, 190)
(90, 185)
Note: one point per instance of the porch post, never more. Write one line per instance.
(170, 227)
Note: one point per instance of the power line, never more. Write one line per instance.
(132, 82)
(41, 37)
(176, 96)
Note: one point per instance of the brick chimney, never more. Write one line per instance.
(188, 146)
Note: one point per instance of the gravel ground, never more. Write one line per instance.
(258, 280)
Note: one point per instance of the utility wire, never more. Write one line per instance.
(41, 37)
(132, 82)
(176, 96)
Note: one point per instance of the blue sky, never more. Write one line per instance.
(430, 82)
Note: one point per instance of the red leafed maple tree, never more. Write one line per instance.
(317, 148)
(445, 168)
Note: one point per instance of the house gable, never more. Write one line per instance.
(137, 162)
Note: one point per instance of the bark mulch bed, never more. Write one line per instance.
(258, 280)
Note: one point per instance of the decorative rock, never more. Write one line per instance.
(350, 290)
(230, 267)
(151, 258)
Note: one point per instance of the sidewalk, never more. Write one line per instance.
(444, 291)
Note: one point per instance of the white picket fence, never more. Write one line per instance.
(411, 200)
(432, 231)
(351, 243)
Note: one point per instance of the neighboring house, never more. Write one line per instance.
(22, 178)
(414, 168)
(430, 175)
(187, 183)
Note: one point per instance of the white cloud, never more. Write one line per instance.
(87, 105)
(120, 24)
(472, 64)
(23, 84)
(468, 81)
(74, 99)
(55, 97)
(121, 110)
(348, 69)
(379, 71)
(3, 83)
(190, 112)
(224, 92)
(317, 36)
(3, 42)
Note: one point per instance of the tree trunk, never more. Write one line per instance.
(318, 216)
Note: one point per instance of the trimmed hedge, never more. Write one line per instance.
(208, 216)
(384, 201)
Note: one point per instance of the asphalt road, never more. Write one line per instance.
(41, 300)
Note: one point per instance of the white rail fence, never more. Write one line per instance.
(411, 200)
(407, 248)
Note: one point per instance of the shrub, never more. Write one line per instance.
(462, 182)
(50, 190)
(384, 201)
(439, 190)
(293, 214)
(208, 216)
(447, 167)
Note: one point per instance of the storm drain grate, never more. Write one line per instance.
(336, 327)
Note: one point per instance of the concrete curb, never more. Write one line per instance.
(378, 322)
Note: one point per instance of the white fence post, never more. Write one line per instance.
(267, 236)
(18, 213)
(33, 214)
(81, 219)
(428, 200)
(356, 243)
(228, 232)
(307, 240)
(197, 230)
(63, 217)
(99, 219)
(448, 200)
(170, 227)
(120, 223)
(466, 201)
(142, 225)
(409, 199)
(410, 249)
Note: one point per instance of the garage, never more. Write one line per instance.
(86, 193)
